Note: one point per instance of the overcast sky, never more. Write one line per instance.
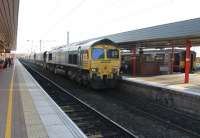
(49, 20)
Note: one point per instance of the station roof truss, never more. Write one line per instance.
(166, 35)
(8, 24)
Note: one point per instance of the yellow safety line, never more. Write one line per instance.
(10, 107)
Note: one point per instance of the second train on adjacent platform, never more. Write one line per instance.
(95, 63)
(155, 62)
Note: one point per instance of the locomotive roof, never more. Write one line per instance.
(84, 45)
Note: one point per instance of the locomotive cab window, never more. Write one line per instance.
(50, 56)
(112, 53)
(98, 53)
(73, 59)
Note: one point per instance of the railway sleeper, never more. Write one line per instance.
(86, 123)
(73, 106)
(66, 110)
(80, 114)
(94, 129)
(92, 121)
(83, 118)
(69, 102)
(81, 109)
(103, 133)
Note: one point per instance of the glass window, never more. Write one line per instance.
(1, 61)
(112, 53)
(183, 56)
(70, 59)
(148, 58)
(97, 53)
(73, 59)
(50, 56)
(159, 57)
(176, 59)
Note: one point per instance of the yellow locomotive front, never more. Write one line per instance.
(104, 65)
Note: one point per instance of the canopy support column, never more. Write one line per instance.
(133, 61)
(187, 61)
(172, 60)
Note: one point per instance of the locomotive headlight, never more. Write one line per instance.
(94, 70)
(115, 70)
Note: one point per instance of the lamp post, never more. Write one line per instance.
(67, 38)
(40, 45)
(30, 45)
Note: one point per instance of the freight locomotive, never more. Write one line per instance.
(95, 63)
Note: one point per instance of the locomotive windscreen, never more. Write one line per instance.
(112, 53)
(98, 53)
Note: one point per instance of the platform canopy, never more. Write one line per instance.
(8, 24)
(165, 35)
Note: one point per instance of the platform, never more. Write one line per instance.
(171, 81)
(27, 111)
(169, 90)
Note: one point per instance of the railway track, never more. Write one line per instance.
(91, 122)
(173, 118)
